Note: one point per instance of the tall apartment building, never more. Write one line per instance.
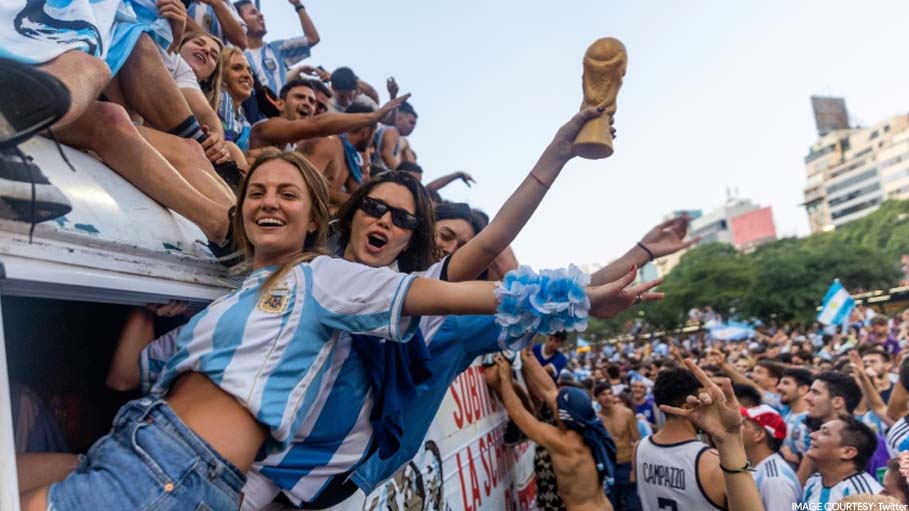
(851, 171)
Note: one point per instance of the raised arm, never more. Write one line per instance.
(471, 259)
(234, 30)
(369, 90)
(716, 411)
(441, 182)
(539, 382)
(279, 131)
(387, 150)
(309, 28)
(664, 239)
(899, 397)
(539, 432)
(719, 358)
(872, 397)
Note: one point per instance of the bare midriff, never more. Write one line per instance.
(217, 418)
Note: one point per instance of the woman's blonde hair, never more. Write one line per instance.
(211, 85)
(227, 53)
(314, 245)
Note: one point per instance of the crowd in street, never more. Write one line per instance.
(286, 392)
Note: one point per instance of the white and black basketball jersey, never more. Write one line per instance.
(667, 476)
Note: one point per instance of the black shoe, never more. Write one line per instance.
(25, 191)
(230, 173)
(513, 434)
(30, 101)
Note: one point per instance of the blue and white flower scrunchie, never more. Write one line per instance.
(548, 302)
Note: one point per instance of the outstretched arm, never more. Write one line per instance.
(664, 239)
(309, 28)
(539, 382)
(430, 297)
(441, 182)
(539, 432)
(471, 259)
(280, 131)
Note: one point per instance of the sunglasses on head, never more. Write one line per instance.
(377, 208)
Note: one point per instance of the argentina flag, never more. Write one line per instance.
(837, 305)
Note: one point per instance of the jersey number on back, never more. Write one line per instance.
(667, 504)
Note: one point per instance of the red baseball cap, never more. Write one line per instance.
(768, 418)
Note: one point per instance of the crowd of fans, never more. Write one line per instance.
(792, 415)
(824, 411)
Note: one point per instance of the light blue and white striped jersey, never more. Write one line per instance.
(872, 421)
(336, 437)
(898, 437)
(777, 483)
(796, 432)
(204, 16)
(275, 353)
(271, 61)
(821, 496)
(154, 357)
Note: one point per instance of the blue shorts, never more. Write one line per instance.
(149, 460)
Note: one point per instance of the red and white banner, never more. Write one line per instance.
(464, 464)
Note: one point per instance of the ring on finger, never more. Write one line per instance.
(638, 299)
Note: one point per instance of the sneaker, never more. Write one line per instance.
(30, 101)
(26, 195)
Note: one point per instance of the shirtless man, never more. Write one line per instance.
(578, 446)
(299, 104)
(339, 158)
(622, 425)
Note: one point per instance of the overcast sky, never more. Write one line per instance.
(716, 96)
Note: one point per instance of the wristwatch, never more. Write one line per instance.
(299, 7)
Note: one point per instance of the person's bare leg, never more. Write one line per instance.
(105, 128)
(189, 159)
(85, 76)
(149, 89)
(37, 469)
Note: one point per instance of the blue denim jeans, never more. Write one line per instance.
(149, 461)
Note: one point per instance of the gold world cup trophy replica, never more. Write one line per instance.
(604, 67)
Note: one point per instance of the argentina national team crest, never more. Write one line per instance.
(275, 302)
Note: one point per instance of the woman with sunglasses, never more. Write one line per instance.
(251, 370)
(389, 222)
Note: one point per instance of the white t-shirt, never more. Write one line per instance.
(180, 70)
(820, 495)
(777, 483)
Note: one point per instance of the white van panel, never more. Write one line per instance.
(115, 239)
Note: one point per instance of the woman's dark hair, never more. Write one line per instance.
(459, 210)
(420, 252)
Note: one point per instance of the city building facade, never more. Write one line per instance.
(851, 171)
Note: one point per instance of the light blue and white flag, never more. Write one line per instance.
(582, 343)
(731, 331)
(837, 305)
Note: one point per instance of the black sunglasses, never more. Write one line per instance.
(377, 208)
